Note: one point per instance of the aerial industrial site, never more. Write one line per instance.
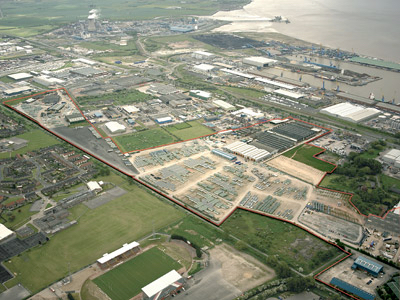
(164, 157)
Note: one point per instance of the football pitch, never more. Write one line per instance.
(127, 280)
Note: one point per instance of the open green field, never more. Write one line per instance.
(36, 139)
(127, 280)
(120, 98)
(304, 153)
(189, 130)
(144, 139)
(29, 17)
(98, 231)
(273, 237)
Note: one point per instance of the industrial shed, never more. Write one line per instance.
(247, 151)
(368, 265)
(74, 118)
(224, 105)
(223, 154)
(163, 287)
(259, 61)
(351, 289)
(351, 112)
(115, 127)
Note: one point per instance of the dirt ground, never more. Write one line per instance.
(239, 269)
(297, 169)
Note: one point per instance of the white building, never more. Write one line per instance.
(115, 127)
(5, 232)
(204, 68)
(259, 61)
(202, 55)
(351, 112)
(164, 286)
(392, 157)
(249, 112)
(130, 109)
(94, 186)
(224, 105)
(247, 151)
(20, 76)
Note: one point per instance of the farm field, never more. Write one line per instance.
(144, 139)
(189, 130)
(36, 139)
(127, 280)
(304, 153)
(296, 247)
(98, 231)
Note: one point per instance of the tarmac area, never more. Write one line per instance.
(332, 227)
(17, 292)
(82, 137)
(105, 197)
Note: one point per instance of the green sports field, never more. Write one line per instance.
(144, 139)
(98, 231)
(304, 153)
(127, 280)
(189, 130)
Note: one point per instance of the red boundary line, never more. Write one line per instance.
(328, 130)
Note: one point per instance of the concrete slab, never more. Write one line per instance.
(17, 292)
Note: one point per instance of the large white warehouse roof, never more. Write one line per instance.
(115, 127)
(351, 112)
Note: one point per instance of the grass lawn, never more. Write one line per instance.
(127, 280)
(189, 130)
(144, 139)
(20, 217)
(304, 153)
(293, 245)
(36, 139)
(98, 231)
(195, 231)
(388, 181)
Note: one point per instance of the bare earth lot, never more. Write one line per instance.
(297, 169)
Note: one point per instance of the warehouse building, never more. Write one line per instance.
(392, 157)
(205, 68)
(202, 55)
(259, 61)
(17, 91)
(351, 112)
(115, 257)
(94, 186)
(200, 94)
(247, 151)
(87, 72)
(368, 265)
(162, 288)
(289, 94)
(164, 120)
(356, 99)
(347, 287)
(74, 118)
(130, 109)
(115, 127)
(224, 105)
(224, 154)
(20, 76)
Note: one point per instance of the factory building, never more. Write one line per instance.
(392, 157)
(368, 265)
(248, 151)
(164, 120)
(20, 76)
(200, 94)
(224, 105)
(202, 55)
(259, 61)
(224, 154)
(17, 91)
(130, 109)
(115, 127)
(351, 112)
(351, 289)
(74, 118)
(289, 94)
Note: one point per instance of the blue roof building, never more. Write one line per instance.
(347, 287)
(98, 114)
(224, 154)
(368, 265)
(131, 122)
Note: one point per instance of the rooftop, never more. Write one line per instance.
(161, 283)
